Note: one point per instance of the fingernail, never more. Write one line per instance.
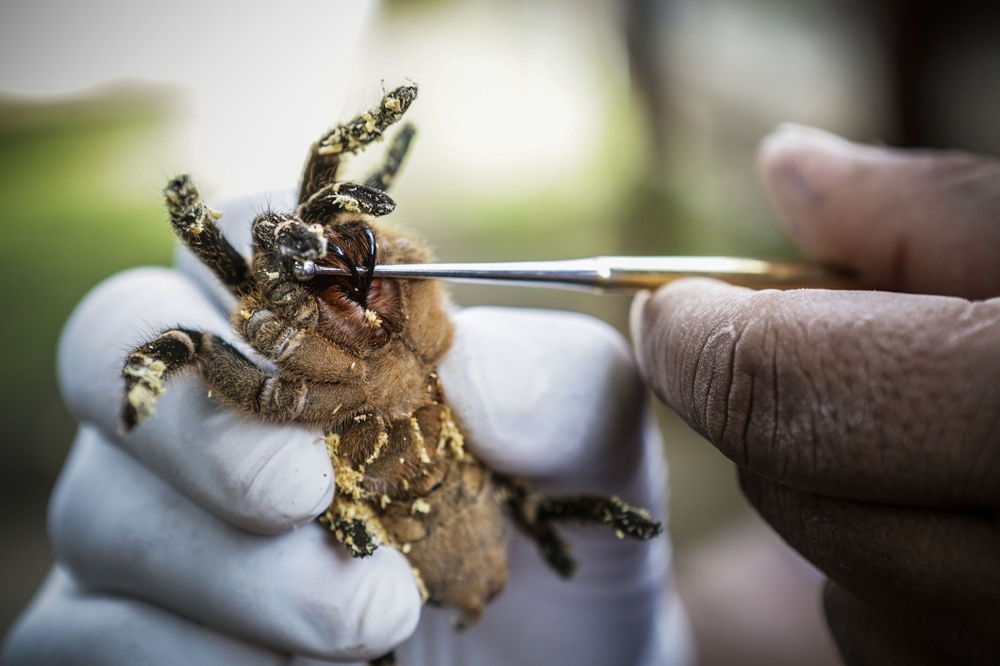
(797, 165)
(791, 139)
(811, 135)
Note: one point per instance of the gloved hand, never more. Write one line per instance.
(864, 424)
(192, 539)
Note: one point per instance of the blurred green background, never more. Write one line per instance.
(645, 116)
(65, 227)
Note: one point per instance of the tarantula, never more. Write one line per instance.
(355, 357)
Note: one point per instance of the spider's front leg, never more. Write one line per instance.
(345, 196)
(351, 137)
(225, 368)
(230, 375)
(194, 223)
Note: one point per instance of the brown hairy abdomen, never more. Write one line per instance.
(458, 546)
(435, 501)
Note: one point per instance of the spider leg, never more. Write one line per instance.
(226, 370)
(382, 178)
(232, 376)
(350, 137)
(617, 514)
(345, 196)
(194, 224)
(297, 349)
(349, 530)
(522, 503)
(534, 515)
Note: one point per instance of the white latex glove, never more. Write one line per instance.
(192, 540)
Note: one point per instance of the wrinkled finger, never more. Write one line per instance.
(934, 571)
(262, 477)
(919, 221)
(120, 530)
(66, 625)
(867, 637)
(864, 395)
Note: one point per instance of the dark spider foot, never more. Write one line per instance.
(353, 533)
(357, 133)
(347, 196)
(630, 520)
(148, 366)
(301, 242)
(181, 195)
(188, 212)
(535, 514)
(524, 511)
(555, 551)
(195, 224)
(626, 519)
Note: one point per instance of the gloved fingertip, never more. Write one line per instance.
(361, 610)
(293, 487)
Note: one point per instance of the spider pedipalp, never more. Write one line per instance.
(301, 242)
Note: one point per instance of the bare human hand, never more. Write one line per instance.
(865, 425)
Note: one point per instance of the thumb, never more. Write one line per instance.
(917, 221)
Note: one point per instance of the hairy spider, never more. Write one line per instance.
(355, 357)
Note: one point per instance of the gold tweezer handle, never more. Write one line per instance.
(631, 273)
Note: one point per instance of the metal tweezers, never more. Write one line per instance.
(618, 273)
